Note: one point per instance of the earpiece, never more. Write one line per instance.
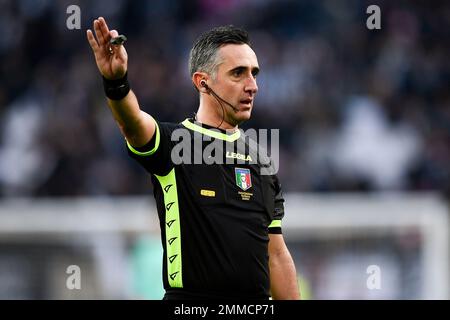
(211, 91)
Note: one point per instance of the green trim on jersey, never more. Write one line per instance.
(212, 133)
(147, 153)
(173, 231)
(275, 224)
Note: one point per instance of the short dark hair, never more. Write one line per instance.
(203, 55)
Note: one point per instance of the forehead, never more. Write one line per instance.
(234, 55)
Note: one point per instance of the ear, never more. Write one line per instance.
(197, 79)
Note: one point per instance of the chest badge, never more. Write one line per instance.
(243, 178)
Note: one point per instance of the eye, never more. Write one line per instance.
(237, 72)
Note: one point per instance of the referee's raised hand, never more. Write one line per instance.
(111, 59)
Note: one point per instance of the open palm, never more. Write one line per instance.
(111, 59)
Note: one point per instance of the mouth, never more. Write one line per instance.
(246, 102)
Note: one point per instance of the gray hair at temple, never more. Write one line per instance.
(204, 54)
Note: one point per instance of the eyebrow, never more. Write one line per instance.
(255, 70)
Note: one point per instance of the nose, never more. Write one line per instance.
(250, 85)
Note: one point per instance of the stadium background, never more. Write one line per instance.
(364, 119)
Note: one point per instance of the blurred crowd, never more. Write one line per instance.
(357, 109)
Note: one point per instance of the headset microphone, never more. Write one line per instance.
(203, 84)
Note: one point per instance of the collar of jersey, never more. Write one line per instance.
(214, 133)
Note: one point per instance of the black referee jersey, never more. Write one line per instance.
(214, 218)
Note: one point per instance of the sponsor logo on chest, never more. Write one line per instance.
(234, 155)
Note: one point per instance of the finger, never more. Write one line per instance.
(104, 28)
(117, 49)
(111, 47)
(120, 54)
(113, 33)
(98, 33)
(92, 42)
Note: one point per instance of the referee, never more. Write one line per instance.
(220, 222)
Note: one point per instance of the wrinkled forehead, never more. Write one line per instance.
(234, 55)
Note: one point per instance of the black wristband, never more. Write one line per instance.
(116, 89)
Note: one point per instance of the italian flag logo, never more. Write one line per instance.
(243, 178)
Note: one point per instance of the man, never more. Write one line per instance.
(220, 223)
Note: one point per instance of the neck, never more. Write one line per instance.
(212, 116)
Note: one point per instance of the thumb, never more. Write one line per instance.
(118, 49)
(120, 53)
(113, 33)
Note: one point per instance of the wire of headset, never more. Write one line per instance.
(223, 116)
(219, 100)
(223, 109)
